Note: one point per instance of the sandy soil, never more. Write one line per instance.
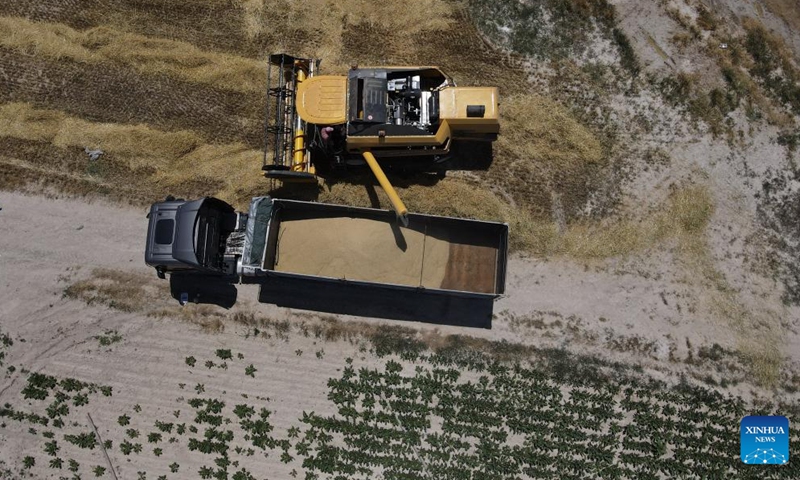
(617, 311)
(66, 240)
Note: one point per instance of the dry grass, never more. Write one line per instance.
(236, 167)
(146, 54)
(124, 291)
(686, 214)
(690, 210)
(541, 134)
(318, 28)
(136, 292)
(755, 325)
(786, 10)
(141, 145)
(758, 330)
(209, 318)
(178, 162)
(542, 152)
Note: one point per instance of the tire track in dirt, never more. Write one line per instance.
(110, 93)
(212, 24)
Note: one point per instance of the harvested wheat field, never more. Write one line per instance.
(646, 167)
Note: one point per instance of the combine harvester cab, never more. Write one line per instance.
(338, 259)
(404, 117)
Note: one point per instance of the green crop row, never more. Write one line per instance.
(490, 420)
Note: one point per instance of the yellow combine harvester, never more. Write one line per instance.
(398, 115)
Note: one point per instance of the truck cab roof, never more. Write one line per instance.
(186, 235)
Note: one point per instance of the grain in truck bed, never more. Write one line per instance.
(378, 250)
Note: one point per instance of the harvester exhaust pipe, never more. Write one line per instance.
(397, 204)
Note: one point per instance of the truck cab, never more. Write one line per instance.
(191, 236)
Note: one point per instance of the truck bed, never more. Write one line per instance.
(367, 245)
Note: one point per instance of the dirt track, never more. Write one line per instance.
(46, 244)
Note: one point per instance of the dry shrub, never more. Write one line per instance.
(117, 289)
(209, 318)
(146, 54)
(774, 65)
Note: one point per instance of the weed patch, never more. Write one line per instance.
(773, 65)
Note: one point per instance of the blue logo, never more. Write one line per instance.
(764, 440)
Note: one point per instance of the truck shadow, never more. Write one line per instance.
(343, 299)
(351, 298)
(206, 289)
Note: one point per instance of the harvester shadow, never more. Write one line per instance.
(346, 187)
(403, 173)
(469, 155)
(463, 155)
(304, 191)
(399, 239)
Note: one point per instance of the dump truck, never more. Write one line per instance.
(325, 257)
(374, 116)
